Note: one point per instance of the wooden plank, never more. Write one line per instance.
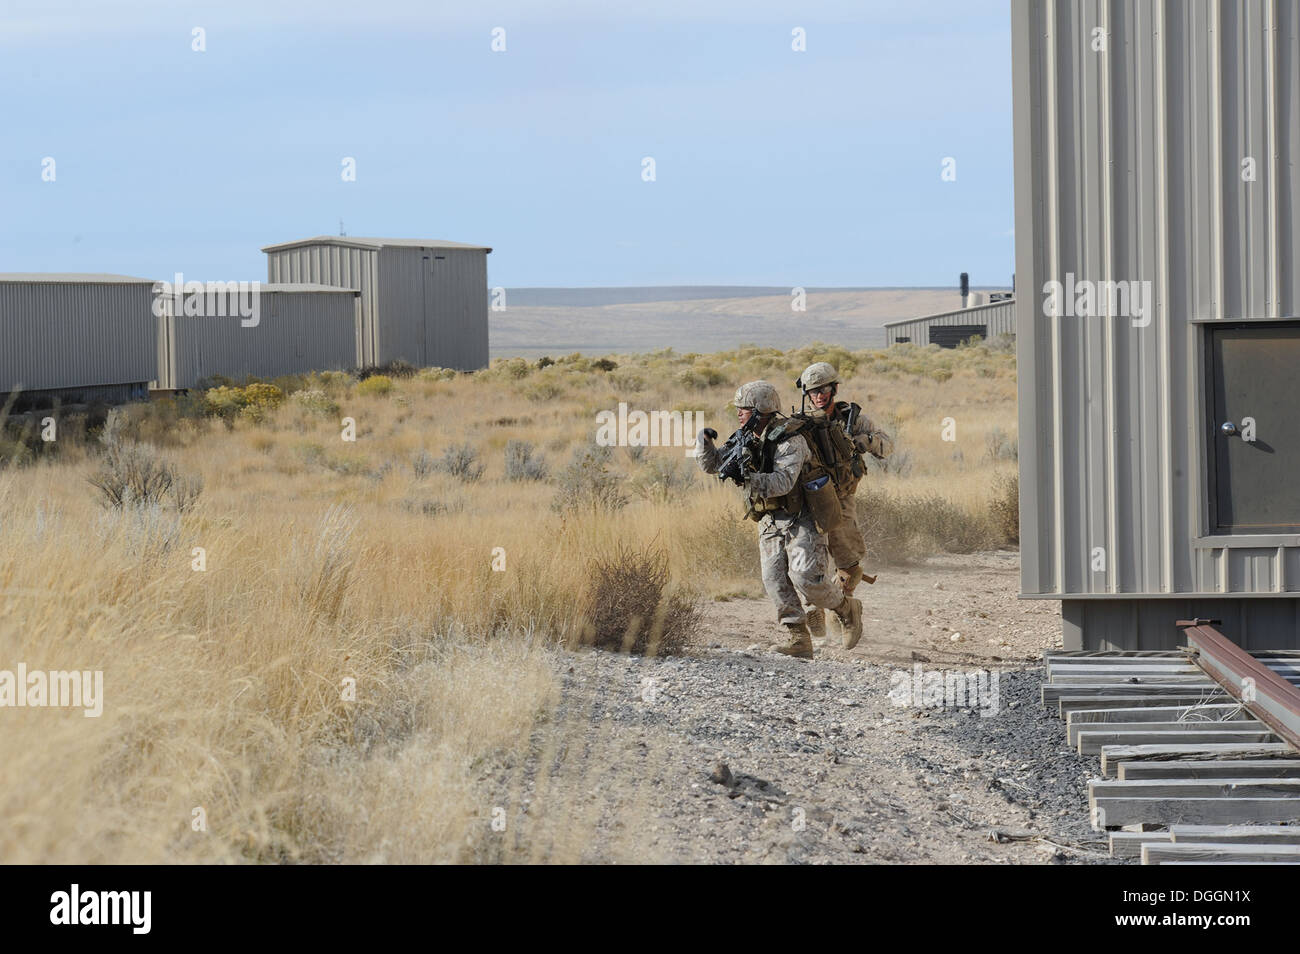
(1092, 741)
(1111, 653)
(1087, 654)
(1115, 812)
(1243, 838)
(1146, 669)
(1236, 768)
(1197, 788)
(1199, 715)
(1051, 692)
(1068, 704)
(1128, 844)
(1186, 832)
(1105, 679)
(1074, 729)
(1112, 755)
(1154, 854)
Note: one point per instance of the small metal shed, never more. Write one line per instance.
(298, 328)
(950, 328)
(424, 301)
(76, 337)
(1157, 184)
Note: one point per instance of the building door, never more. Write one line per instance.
(1253, 375)
(426, 307)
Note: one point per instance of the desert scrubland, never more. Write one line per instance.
(322, 649)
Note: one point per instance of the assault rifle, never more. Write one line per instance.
(738, 452)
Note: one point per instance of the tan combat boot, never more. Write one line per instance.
(816, 619)
(850, 616)
(850, 578)
(800, 645)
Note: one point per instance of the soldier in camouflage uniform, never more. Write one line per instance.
(794, 553)
(820, 382)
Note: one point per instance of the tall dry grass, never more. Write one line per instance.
(432, 581)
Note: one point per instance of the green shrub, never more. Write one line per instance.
(521, 464)
(1004, 508)
(586, 484)
(461, 462)
(543, 389)
(900, 530)
(316, 401)
(663, 479)
(376, 385)
(1001, 446)
(134, 475)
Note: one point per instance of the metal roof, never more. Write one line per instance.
(306, 287)
(973, 309)
(84, 278)
(352, 241)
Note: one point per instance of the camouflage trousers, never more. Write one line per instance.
(795, 564)
(845, 541)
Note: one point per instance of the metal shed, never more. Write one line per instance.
(298, 328)
(1157, 175)
(76, 337)
(950, 328)
(424, 301)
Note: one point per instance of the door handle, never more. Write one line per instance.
(1229, 429)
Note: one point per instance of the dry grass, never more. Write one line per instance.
(330, 560)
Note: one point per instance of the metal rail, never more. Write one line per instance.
(1264, 693)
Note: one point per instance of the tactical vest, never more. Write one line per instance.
(831, 442)
(791, 502)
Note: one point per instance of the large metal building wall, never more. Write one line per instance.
(300, 328)
(344, 266)
(1129, 166)
(83, 336)
(434, 306)
(998, 316)
(422, 301)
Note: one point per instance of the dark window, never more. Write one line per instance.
(949, 336)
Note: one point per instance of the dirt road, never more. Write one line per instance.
(731, 753)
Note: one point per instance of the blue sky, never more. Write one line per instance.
(773, 167)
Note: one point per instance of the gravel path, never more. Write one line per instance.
(732, 753)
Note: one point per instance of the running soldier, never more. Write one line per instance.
(820, 383)
(774, 463)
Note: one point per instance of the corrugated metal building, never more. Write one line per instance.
(1157, 175)
(76, 337)
(951, 327)
(423, 301)
(298, 328)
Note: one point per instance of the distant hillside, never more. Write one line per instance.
(631, 295)
(541, 321)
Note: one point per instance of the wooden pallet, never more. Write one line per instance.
(1188, 768)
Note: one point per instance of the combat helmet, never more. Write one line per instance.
(760, 395)
(818, 375)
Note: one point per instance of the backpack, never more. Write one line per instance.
(832, 444)
(813, 488)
